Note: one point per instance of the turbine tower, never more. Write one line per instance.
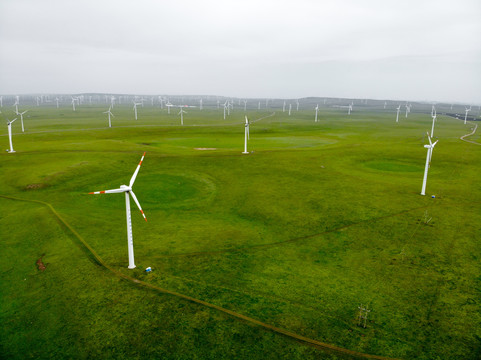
(317, 110)
(9, 125)
(128, 191)
(246, 136)
(397, 115)
(429, 148)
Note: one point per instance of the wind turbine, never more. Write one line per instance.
(109, 113)
(21, 118)
(317, 109)
(16, 106)
(200, 104)
(1, 101)
(466, 115)
(135, 109)
(245, 105)
(73, 103)
(397, 115)
(284, 107)
(297, 104)
(432, 128)
(9, 125)
(169, 105)
(112, 101)
(430, 148)
(246, 136)
(385, 104)
(128, 190)
(290, 107)
(56, 99)
(259, 106)
(181, 113)
(350, 108)
(225, 108)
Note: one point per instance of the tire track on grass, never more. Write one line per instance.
(302, 339)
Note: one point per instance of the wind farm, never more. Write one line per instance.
(270, 253)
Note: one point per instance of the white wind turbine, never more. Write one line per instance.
(433, 110)
(246, 136)
(109, 114)
(73, 103)
(284, 107)
(466, 115)
(225, 108)
(245, 105)
(112, 101)
(350, 108)
(430, 148)
(21, 119)
(385, 104)
(56, 99)
(169, 105)
(432, 128)
(181, 113)
(16, 106)
(200, 104)
(259, 106)
(290, 107)
(128, 190)
(9, 126)
(317, 110)
(397, 115)
(1, 101)
(297, 105)
(135, 109)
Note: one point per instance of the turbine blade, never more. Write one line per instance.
(113, 191)
(138, 204)
(136, 171)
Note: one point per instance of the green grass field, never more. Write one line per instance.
(318, 219)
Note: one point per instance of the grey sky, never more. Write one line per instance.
(409, 49)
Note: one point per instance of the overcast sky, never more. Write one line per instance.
(383, 49)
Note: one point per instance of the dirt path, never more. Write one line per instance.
(471, 133)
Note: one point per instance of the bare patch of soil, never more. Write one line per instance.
(40, 265)
(35, 186)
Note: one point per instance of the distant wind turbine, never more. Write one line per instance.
(200, 104)
(317, 110)
(466, 115)
(284, 107)
(432, 128)
(56, 99)
(397, 115)
(290, 107)
(297, 105)
(429, 148)
(169, 105)
(109, 113)
(21, 119)
(135, 109)
(9, 126)
(246, 135)
(181, 113)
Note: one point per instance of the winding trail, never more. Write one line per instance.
(302, 339)
(471, 133)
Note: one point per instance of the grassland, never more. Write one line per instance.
(318, 219)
